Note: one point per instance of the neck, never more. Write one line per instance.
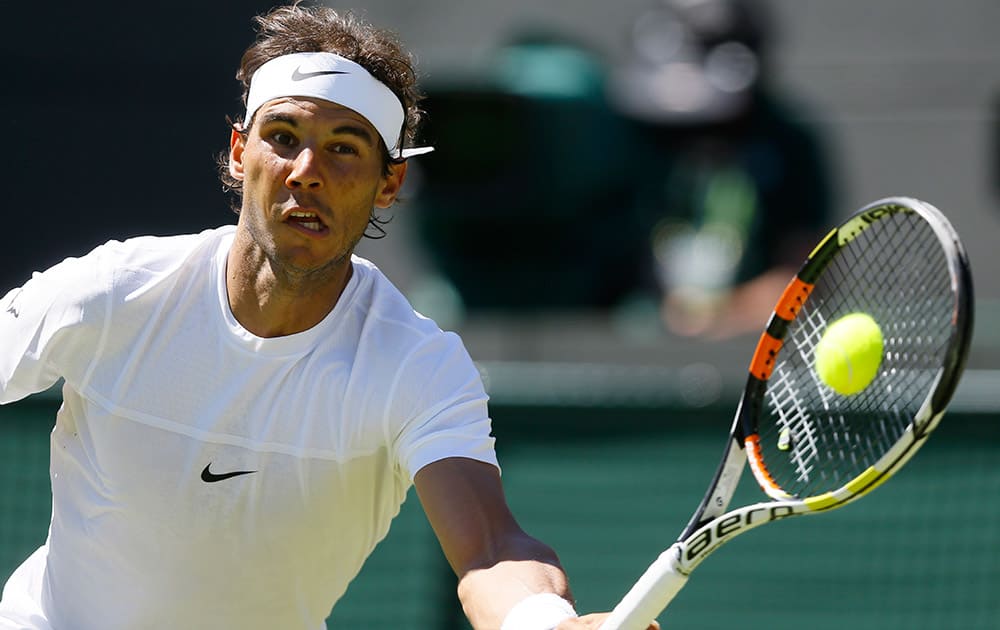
(271, 301)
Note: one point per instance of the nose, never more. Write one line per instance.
(305, 171)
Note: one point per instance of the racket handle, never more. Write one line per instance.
(650, 594)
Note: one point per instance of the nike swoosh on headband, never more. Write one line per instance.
(298, 75)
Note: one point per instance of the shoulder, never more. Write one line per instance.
(136, 266)
(385, 305)
(157, 254)
(80, 287)
(403, 338)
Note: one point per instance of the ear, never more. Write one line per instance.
(236, 146)
(391, 185)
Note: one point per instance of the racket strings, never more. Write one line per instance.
(813, 439)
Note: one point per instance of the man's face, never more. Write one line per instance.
(312, 171)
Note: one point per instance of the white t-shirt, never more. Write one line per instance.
(166, 395)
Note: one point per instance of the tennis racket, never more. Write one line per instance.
(810, 448)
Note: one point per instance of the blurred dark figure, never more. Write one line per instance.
(527, 203)
(737, 185)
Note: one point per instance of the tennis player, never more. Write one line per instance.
(244, 409)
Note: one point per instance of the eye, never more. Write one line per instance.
(343, 149)
(283, 138)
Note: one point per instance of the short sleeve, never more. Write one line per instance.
(439, 407)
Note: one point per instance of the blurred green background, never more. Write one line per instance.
(610, 485)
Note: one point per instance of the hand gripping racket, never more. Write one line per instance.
(810, 448)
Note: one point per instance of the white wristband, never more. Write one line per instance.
(542, 611)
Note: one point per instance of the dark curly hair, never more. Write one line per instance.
(296, 28)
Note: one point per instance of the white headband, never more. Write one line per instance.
(332, 78)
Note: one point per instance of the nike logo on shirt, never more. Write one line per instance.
(209, 477)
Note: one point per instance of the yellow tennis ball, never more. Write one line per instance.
(849, 354)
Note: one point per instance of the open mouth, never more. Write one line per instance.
(308, 221)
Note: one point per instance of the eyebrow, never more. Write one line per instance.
(274, 117)
(349, 129)
(356, 130)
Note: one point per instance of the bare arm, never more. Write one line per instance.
(496, 562)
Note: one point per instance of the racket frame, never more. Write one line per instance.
(711, 525)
